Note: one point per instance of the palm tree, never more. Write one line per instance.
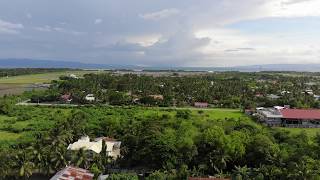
(80, 159)
(23, 163)
(241, 172)
(58, 156)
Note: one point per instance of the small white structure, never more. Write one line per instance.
(316, 97)
(113, 146)
(90, 97)
(73, 76)
(285, 92)
(309, 91)
(273, 96)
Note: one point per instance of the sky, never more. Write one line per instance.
(198, 33)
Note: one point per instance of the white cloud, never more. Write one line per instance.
(29, 16)
(206, 33)
(144, 40)
(296, 8)
(286, 2)
(48, 28)
(231, 47)
(44, 29)
(165, 13)
(9, 28)
(98, 21)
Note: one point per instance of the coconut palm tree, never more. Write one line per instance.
(24, 164)
(80, 159)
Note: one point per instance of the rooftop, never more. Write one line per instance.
(96, 145)
(70, 173)
(300, 113)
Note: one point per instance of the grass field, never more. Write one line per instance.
(8, 136)
(18, 84)
(40, 78)
(224, 113)
(310, 131)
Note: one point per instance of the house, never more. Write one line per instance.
(66, 98)
(316, 97)
(285, 92)
(311, 83)
(308, 91)
(73, 76)
(208, 178)
(113, 146)
(157, 97)
(286, 117)
(273, 96)
(270, 116)
(90, 98)
(249, 112)
(201, 104)
(70, 172)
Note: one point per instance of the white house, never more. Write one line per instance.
(73, 76)
(90, 97)
(113, 146)
(273, 96)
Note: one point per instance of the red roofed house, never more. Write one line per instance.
(309, 118)
(304, 118)
(197, 178)
(201, 104)
(66, 98)
(73, 173)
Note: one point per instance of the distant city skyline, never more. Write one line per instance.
(162, 32)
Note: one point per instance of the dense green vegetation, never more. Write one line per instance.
(172, 143)
(227, 90)
(165, 142)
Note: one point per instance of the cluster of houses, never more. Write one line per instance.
(309, 92)
(91, 147)
(67, 98)
(96, 146)
(287, 117)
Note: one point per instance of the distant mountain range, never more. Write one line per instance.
(31, 63)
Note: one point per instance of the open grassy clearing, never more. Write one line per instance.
(12, 89)
(9, 136)
(40, 78)
(294, 131)
(16, 85)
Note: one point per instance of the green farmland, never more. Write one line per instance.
(18, 84)
(40, 78)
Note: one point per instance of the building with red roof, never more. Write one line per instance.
(281, 116)
(303, 114)
(73, 173)
(208, 178)
(201, 104)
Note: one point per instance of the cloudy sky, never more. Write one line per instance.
(162, 32)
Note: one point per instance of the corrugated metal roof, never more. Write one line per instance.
(196, 178)
(73, 173)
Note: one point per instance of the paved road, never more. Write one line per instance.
(27, 103)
